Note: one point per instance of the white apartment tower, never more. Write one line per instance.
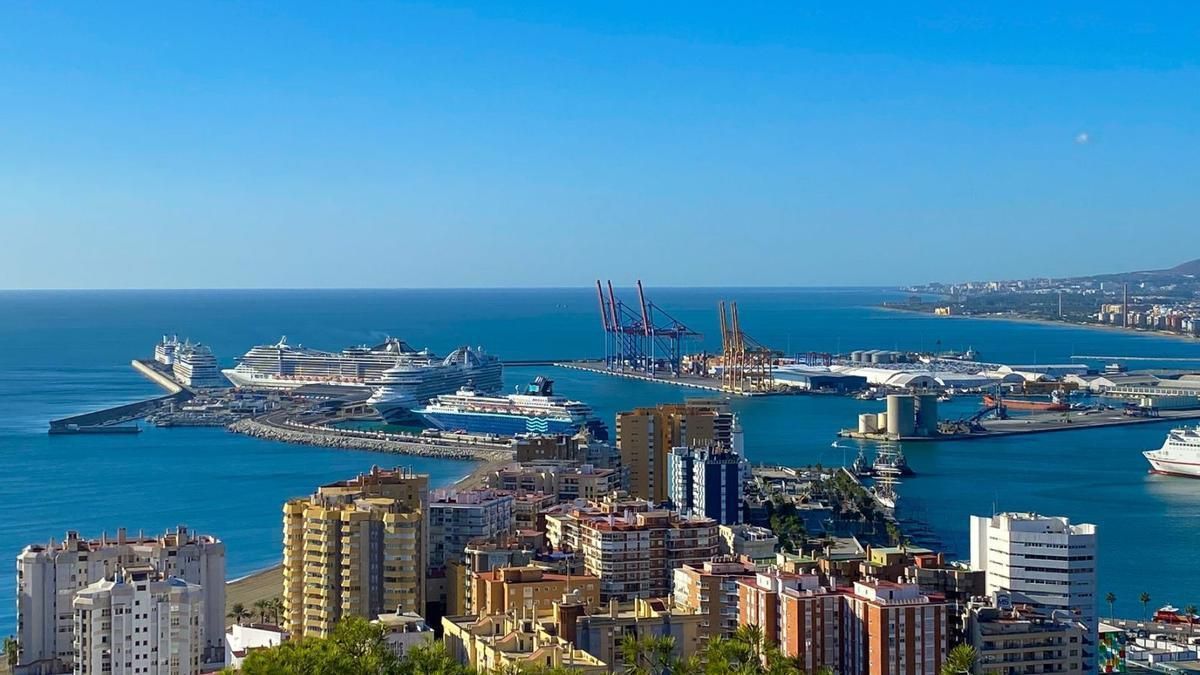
(1043, 561)
(139, 622)
(49, 577)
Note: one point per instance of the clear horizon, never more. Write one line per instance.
(539, 145)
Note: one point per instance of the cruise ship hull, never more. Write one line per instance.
(1172, 466)
(243, 379)
(509, 425)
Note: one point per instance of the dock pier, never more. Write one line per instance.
(112, 419)
(1036, 424)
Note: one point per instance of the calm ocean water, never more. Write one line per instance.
(68, 352)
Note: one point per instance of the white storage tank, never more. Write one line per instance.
(866, 423)
(901, 414)
(881, 421)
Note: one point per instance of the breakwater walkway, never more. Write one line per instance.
(128, 412)
(345, 439)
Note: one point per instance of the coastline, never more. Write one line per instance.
(1048, 322)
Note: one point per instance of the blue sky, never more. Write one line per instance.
(549, 143)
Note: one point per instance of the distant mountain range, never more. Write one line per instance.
(1190, 268)
(1187, 269)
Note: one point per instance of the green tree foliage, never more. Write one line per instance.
(787, 524)
(12, 652)
(356, 647)
(960, 661)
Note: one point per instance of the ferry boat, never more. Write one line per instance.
(194, 365)
(285, 366)
(417, 378)
(537, 410)
(1179, 454)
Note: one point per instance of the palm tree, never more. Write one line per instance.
(262, 606)
(1190, 610)
(1111, 599)
(649, 655)
(960, 661)
(1144, 598)
(277, 610)
(238, 612)
(12, 652)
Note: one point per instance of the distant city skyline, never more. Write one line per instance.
(548, 144)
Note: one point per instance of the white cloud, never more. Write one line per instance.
(1083, 138)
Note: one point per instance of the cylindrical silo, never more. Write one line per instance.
(927, 414)
(856, 356)
(901, 414)
(881, 421)
(866, 423)
(877, 356)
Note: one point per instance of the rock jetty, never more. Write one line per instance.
(332, 438)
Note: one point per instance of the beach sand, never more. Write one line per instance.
(247, 590)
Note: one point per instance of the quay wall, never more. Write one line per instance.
(306, 435)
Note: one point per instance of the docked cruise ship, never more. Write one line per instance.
(537, 410)
(286, 366)
(194, 365)
(1179, 455)
(417, 378)
(164, 351)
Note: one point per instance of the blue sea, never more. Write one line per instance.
(68, 352)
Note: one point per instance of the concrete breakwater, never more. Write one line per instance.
(331, 439)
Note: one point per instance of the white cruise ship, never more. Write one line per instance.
(285, 366)
(1179, 455)
(536, 410)
(417, 378)
(194, 365)
(164, 351)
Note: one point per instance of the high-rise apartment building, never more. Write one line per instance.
(458, 518)
(711, 589)
(50, 576)
(645, 436)
(795, 612)
(706, 481)
(355, 548)
(139, 622)
(893, 629)
(635, 553)
(1042, 561)
(875, 628)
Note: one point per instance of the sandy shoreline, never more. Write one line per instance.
(1049, 322)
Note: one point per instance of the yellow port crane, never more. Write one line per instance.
(747, 366)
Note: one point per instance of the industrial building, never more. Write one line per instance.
(907, 416)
